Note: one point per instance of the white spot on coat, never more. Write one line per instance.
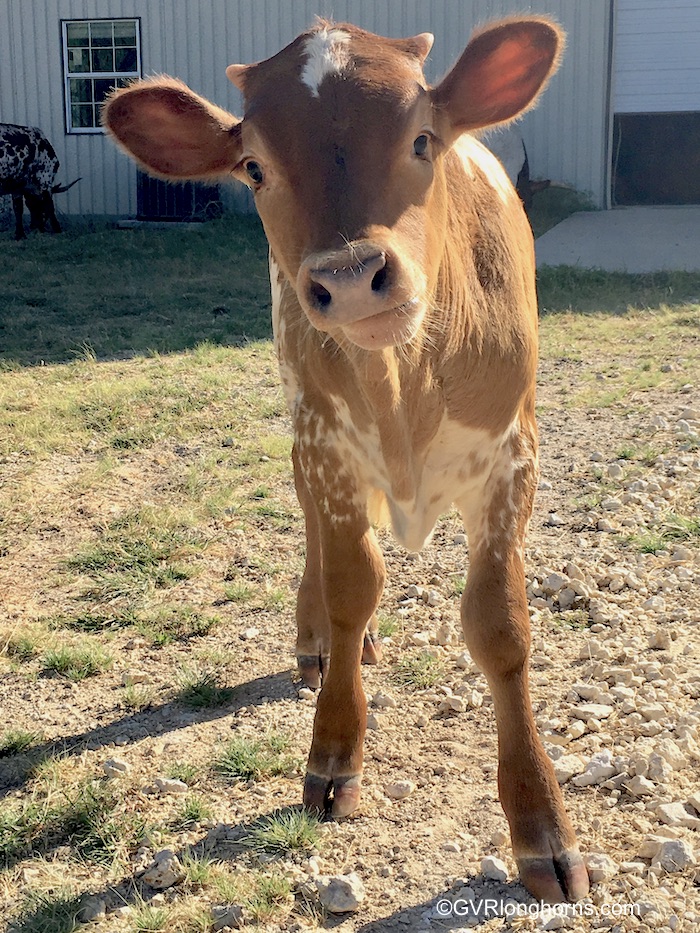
(290, 382)
(474, 154)
(327, 53)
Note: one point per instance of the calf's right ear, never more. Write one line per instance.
(171, 131)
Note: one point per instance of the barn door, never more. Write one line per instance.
(656, 101)
(184, 201)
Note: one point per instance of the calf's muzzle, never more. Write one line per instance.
(346, 285)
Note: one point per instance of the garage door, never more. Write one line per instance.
(656, 102)
(657, 56)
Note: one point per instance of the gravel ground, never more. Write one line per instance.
(616, 689)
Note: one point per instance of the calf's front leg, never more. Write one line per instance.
(313, 627)
(352, 578)
(497, 630)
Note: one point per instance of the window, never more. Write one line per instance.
(98, 55)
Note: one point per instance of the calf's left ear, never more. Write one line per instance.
(500, 75)
(171, 131)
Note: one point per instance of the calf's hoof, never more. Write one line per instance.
(313, 668)
(371, 648)
(555, 879)
(332, 796)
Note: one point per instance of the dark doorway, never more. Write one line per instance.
(656, 158)
(183, 201)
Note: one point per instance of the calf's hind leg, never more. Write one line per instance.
(497, 631)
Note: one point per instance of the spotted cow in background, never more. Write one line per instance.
(28, 167)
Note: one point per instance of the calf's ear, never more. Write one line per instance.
(171, 131)
(500, 75)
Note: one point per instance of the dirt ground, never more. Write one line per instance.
(618, 628)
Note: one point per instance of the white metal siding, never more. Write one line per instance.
(657, 56)
(566, 136)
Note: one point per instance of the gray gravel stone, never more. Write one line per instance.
(115, 767)
(165, 870)
(494, 868)
(340, 894)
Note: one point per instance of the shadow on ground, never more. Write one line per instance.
(154, 721)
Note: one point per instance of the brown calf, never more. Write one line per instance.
(405, 323)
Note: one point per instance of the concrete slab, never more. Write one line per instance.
(628, 239)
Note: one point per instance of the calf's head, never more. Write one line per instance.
(343, 144)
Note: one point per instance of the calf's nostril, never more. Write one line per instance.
(321, 296)
(379, 279)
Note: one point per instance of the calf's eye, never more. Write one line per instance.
(255, 173)
(420, 145)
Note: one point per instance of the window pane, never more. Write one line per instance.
(125, 33)
(101, 35)
(102, 60)
(125, 59)
(78, 60)
(77, 34)
(102, 88)
(82, 116)
(80, 91)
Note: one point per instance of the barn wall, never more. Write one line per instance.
(566, 137)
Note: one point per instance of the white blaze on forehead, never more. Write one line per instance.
(327, 53)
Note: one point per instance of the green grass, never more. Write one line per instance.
(290, 830)
(138, 697)
(617, 341)
(271, 893)
(419, 671)
(167, 624)
(646, 454)
(23, 646)
(85, 816)
(63, 302)
(239, 592)
(673, 529)
(96, 621)
(583, 291)
(387, 625)
(244, 759)
(553, 205)
(148, 919)
(192, 810)
(50, 912)
(182, 771)
(76, 662)
(575, 619)
(199, 868)
(17, 741)
(201, 690)
(135, 552)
